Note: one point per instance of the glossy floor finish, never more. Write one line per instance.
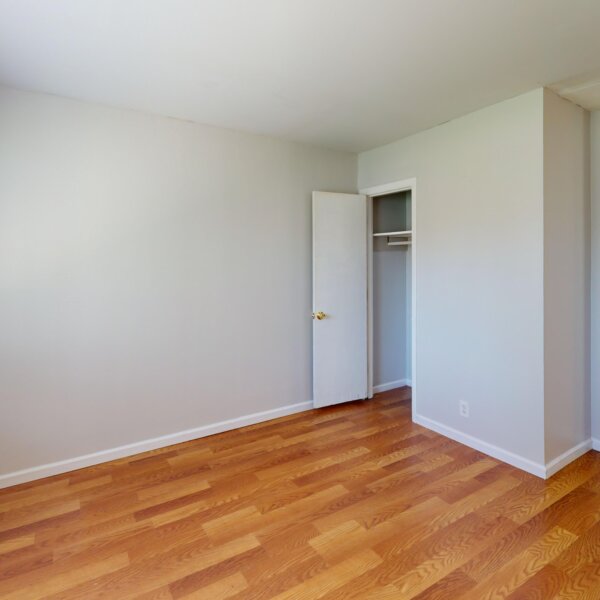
(353, 501)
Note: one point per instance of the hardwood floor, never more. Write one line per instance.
(353, 501)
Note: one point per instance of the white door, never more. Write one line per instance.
(339, 297)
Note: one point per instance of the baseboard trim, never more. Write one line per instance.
(494, 451)
(567, 457)
(87, 460)
(390, 385)
(538, 469)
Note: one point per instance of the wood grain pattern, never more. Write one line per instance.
(352, 501)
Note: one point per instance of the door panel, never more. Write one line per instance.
(340, 292)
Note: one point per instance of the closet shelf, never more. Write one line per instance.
(393, 233)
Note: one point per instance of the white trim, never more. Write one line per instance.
(389, 188)
(370, 389)
(538, 469)
(494, 451)
(87, 460)
(567, 457)
(390, 385)
(371, 192)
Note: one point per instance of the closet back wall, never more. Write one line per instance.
(155, 275)
(391, 335)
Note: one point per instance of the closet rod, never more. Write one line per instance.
(392, 233)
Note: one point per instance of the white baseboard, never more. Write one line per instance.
(87, 460)
(390, 385)
(538, 469)
(565, 458)
(494, 451)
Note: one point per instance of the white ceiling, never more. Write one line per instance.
(349, 74)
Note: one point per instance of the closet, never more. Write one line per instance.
(363, 290)
(390, 302)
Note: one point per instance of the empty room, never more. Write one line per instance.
(299, 299)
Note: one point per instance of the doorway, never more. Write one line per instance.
(391, 292)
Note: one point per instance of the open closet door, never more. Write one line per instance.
(339, 298)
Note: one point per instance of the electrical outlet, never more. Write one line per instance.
(463, 408)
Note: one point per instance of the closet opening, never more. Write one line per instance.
(390, 290)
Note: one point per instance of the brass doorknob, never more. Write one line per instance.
(319, 315)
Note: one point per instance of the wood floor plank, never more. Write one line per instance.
(16, 543)
(147, 574)
(347, 502)
(162, 593)
(583, 552)
(32, 514)
(291, 561)
(523, 567)
(447, 555)
(334, 577)
(220, 590)
(581, 584)
(506, 548)
(351, 535)
(63, 582)
(167, 491)
(453, 585)
(546, 583)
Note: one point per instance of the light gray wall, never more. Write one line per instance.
(479, 207)
(566, 275)
(595, 301)
(391, 304)
(155, 275)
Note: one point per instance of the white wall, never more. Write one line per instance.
(595, 283)
(479, 207)
(566, 275)
(155, 275)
